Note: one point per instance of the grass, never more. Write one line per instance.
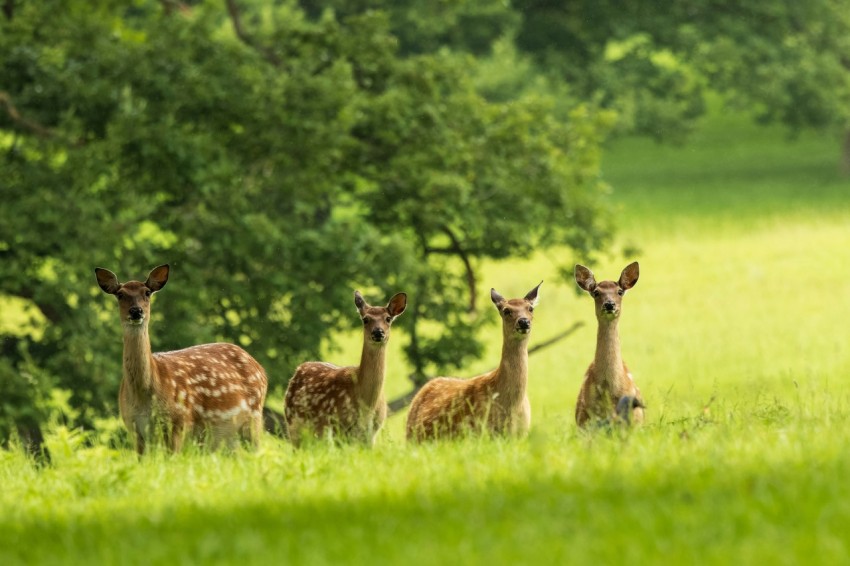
(736, 335)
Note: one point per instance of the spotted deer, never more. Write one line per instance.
(345, 403)
(609, 393)
(212, 389)
(496, 401)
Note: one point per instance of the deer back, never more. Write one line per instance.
(210, 383)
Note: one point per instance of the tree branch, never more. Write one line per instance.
(12, 111)
(457, 250)
(29, 125)
(236, 20)
(470, 274)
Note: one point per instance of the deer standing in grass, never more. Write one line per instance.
(346, 403)
(608, 393)
(495, 401)
(215, 389)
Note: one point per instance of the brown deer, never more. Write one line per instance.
(216, 389)
(495, 401)
(608, 393)
(346, 403)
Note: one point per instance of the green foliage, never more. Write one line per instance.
(276, 163)
(427, 26)
(654, 61)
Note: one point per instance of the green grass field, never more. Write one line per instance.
(736, 334)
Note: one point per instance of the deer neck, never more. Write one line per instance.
(138, 359)
(608, 361)
(511, 377)
(370, 373)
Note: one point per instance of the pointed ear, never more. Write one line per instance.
(359, 301)
(629, 276)
(532, 297)
(157, 278)
(496, 298)
(584, 278)
(107, 280)
(397, 304)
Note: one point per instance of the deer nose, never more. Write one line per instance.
(609, 306)
(378, 335)
(523, 324)
(136, 313)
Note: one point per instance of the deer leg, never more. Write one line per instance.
(175, 437)
(256, 430)
(140, 443)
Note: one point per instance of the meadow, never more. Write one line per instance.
(736, 334)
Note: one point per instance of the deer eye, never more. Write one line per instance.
(507, 312)
(596, 293)
(621, 292)
(389, 319)
(148, 293)
(365, 321)
(120, 295)
(530, 309)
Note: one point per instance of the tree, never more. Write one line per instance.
(276, 161)
(786, 61)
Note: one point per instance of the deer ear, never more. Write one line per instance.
(496, 298)
(629, 276)
(157, 278)
(584, 278)
(397, 304)
(532, 297)
(107, 280)
(359, 301)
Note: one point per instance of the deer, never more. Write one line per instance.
(495, 402)
(345, 403)
(608, 393)
(210, 389)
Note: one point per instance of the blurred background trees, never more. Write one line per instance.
(280, 154)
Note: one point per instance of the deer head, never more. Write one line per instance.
(608, 295)
(134, 297)
(517, 314)
(378, 320)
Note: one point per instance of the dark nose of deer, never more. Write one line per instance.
(136, 313)
(609, 306)
(523, 324)
(378, 335)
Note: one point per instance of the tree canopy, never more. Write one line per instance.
(277, 158)
(785, 61)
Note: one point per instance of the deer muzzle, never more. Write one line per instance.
(523, 325)
(378, 335)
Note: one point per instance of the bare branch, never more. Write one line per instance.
(236, 20)
(470, 274)
(556, 338)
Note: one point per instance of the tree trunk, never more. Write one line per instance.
(845, 154)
